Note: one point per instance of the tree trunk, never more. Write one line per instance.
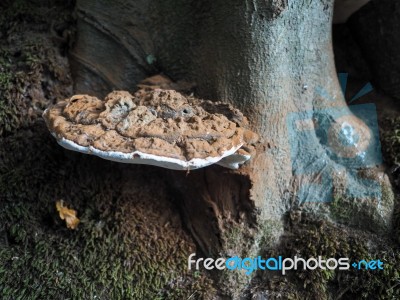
(271, 59)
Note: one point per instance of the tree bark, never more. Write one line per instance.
(268, 58)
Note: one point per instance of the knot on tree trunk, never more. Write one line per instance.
(271, 9)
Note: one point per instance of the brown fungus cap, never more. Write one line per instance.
(153, 126)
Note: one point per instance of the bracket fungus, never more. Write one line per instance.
(154, 126)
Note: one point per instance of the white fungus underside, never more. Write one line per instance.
(228, 159)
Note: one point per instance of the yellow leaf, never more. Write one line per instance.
(69, 215)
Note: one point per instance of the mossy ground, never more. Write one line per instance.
(391, 140)
(34, 69)
(390, 136)
(129, 244)
(309, 237)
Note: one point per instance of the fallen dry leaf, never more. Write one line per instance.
(69, 215)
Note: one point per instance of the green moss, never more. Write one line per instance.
(30, 76)
(372, 213)
(238, 240)
(243, 241)
(390, 137)
(129, 244)
(21, 75)
(309, 237)
(340, 208)
(8, 111)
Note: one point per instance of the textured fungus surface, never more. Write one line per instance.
(153, 126)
